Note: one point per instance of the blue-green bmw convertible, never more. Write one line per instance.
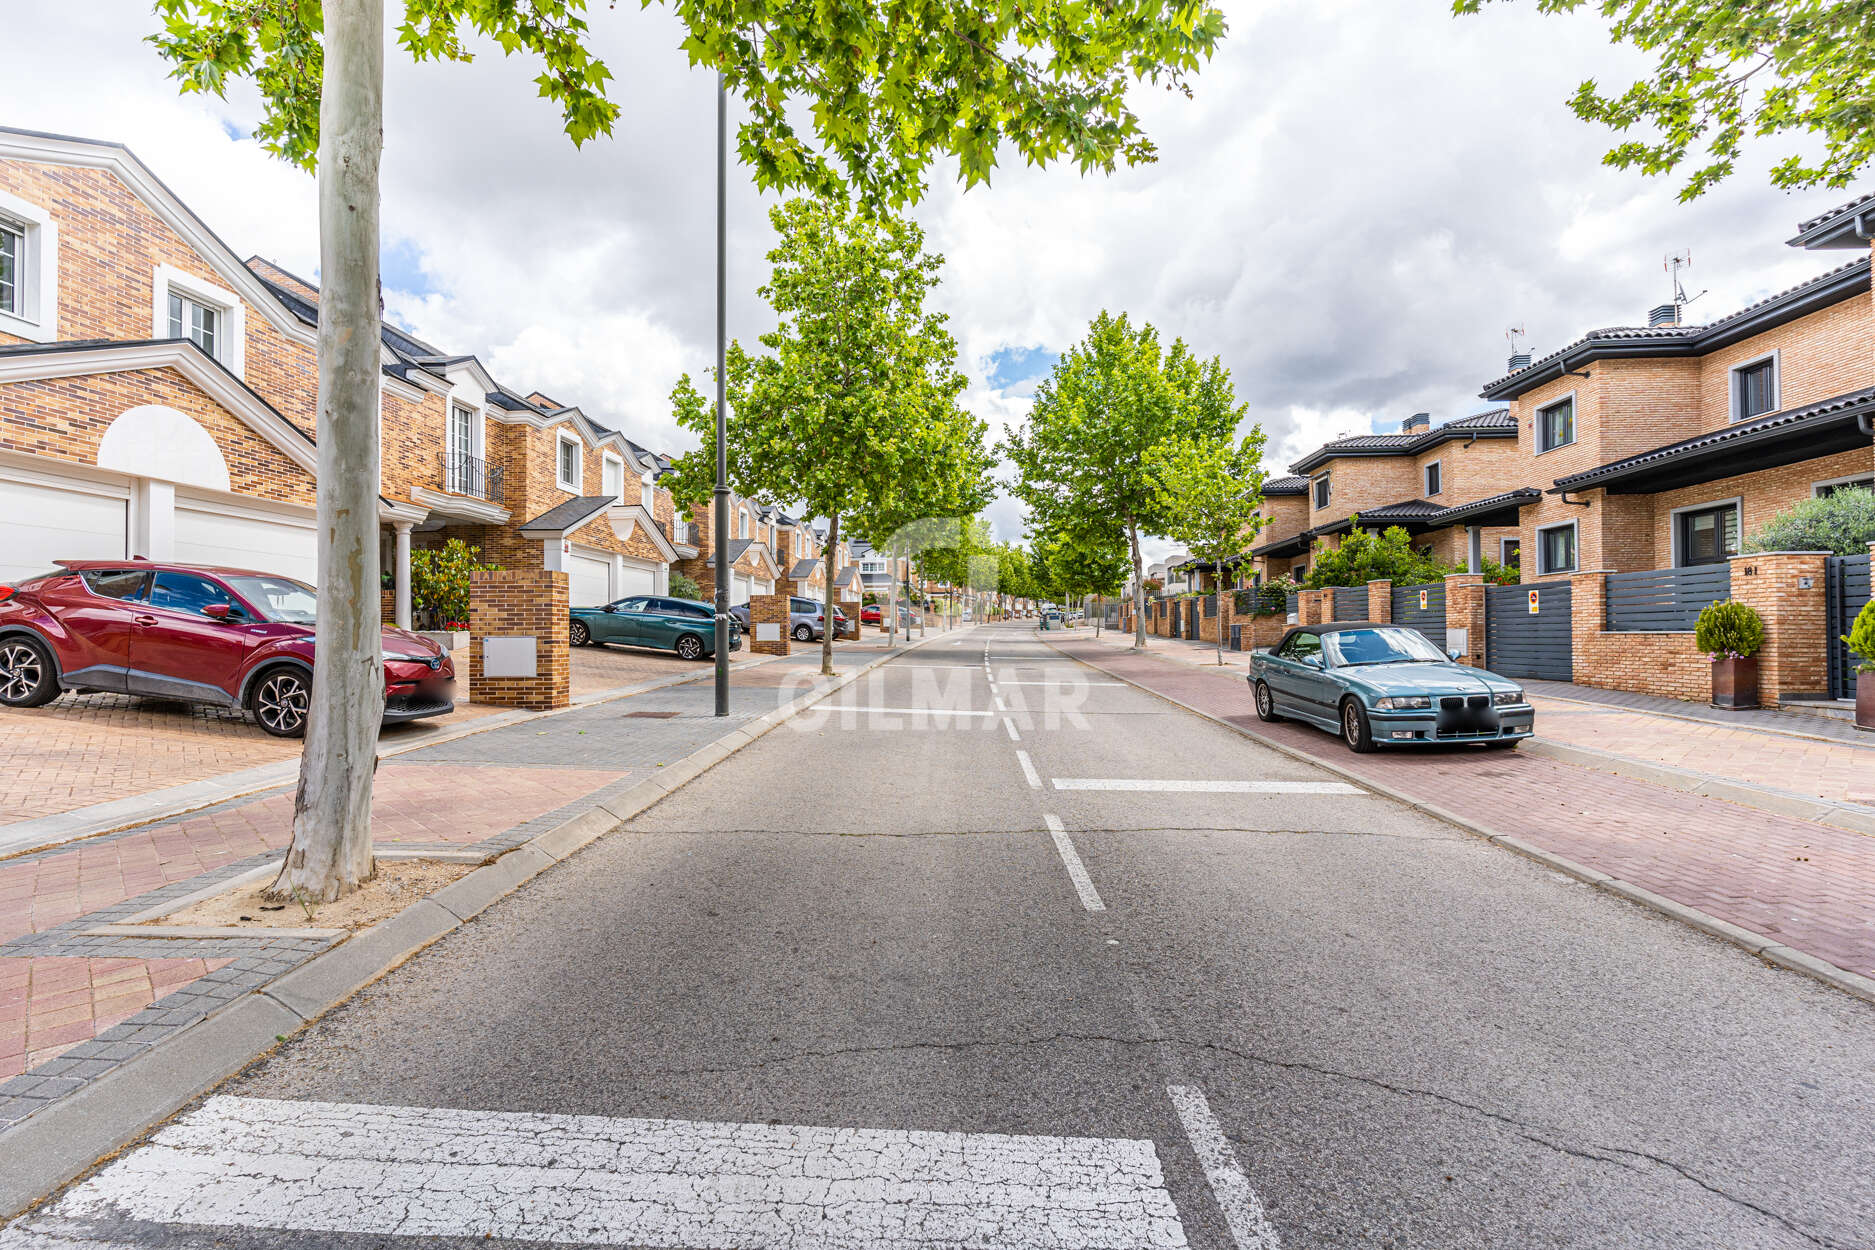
(681, 625)
(1385, 685)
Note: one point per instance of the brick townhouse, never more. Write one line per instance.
(753, 568)
(158, 397)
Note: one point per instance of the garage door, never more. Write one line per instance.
(637, 581)
(591, 580)
(206, 535)
(44, 522)
(741, 586)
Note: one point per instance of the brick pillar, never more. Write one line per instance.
(1787, 589)
(1226, 614)
(522, 613)
(768, 614)
(1314, 607)
(1380, 601)
(1588, 621)
(1464, 609)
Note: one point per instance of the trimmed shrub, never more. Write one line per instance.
(439, 582)
(1842, 524)
(1861, 637)
(1729, 630)
(1365, 556)
(683, 587)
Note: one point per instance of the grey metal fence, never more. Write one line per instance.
(1350, 603)
(1528, 631)
(1294, 604)
(1210, 605)
(1422, 608)
(1665, 600)
(1848, 583)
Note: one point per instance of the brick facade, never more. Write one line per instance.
(521, 602)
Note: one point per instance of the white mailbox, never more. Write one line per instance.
(509, 656)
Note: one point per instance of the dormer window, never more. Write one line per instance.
(742, 523)
(566, 463)
(195, 321)
(29, 271)
(648, 496)
(186, 307)
(612, 471)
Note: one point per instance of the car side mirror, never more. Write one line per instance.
(1458, 657)
(611, 607)
(218, 611)
(1312, 661)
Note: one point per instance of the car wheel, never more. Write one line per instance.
(579, 635)
(1354, 729)
(280, 702)
(690, 647)
(1266, 703)
(26, 678)
(803, 633)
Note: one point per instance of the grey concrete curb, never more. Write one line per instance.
(54, 1146)
(1757, 944)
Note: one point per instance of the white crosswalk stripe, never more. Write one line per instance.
(265, 1165)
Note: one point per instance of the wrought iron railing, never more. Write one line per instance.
(464, 474)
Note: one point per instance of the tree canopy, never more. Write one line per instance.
(1726, 70)
(883, 89)
(1211, 489)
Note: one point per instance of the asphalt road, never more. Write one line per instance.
(1035, 998)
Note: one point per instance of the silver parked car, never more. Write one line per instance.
(806, 620)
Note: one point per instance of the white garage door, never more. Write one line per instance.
(591, 580)
(637, 581)
(206, 534)
(44, 521)
(740, 586)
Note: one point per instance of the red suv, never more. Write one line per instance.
(183, 631)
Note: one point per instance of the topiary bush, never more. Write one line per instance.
(1861, 637)
(1842, 524)
(1729, 630)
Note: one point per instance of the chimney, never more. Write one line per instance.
(1519, 360)
(1663, 315)
(1418, 423)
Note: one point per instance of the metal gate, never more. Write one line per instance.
(1429, 619)
(1527, 631)
(1191, 618)
(1847, 581)
(1350, 603)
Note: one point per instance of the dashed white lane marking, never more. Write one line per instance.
(1077, 871)
(1028, 770)
(1243, 1210)
(317, 1167)
(1010, 725)
(1207, 787)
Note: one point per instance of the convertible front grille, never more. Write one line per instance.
(1455, 702)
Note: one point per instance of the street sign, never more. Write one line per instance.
(1533, 603)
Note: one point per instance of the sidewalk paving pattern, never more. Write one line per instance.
(1805, 885)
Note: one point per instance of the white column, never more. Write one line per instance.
(153, 519)
(401, 574)
(552, 551)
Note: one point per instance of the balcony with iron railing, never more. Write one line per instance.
(473, 476)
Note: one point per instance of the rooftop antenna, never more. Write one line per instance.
(1515, 335)
(1675, 262)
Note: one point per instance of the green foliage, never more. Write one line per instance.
(1842, 523)
(1861, 637)
(1729, 630)
(684, 587)
(886, 88)
(1365, 556)
(1075, 565)
(1723, 70)
(1496, 574)
(1154, 587)
(439, 579)
(1210, 490)
(1270, 597)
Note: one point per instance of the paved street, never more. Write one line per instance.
(995, 950)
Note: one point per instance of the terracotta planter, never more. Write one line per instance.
(1865, 701)
(1735, 684)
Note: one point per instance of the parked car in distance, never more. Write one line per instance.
(198, 633)
(658, 622)
(1385, 685)
(804, 619)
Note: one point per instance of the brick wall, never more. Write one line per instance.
(1380, 601)
(769, 610)
(510, 602)
(1665, 663)
(1464, 609)
(1794, 660)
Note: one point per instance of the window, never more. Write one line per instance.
(633, 605)
(1754, 388)
(1301, 646)
(648, 496)
(566, 463)
(1705, 535)
(29, 271)
(12, 250)
(1556, 425)
(115, 583)
(1435, 478)
(1321, 491)
(612, 477)
(195, 321)
(1510, 552)
(461, 430)
(742, 523)
(1556, 548)
(186, 307)
(1823, 490)
(462, 477)
(279, 598)
(185, 592)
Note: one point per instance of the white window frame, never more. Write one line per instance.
(743, 523)
(574, 484)
(1327, 494)
(648, 493)
(231, 343)
(608, 462)
(1542, 553)
(37, 320)
(1575, 424)
(1854, 479)
(1736, 503)
(1426, 477)
(1777, 384)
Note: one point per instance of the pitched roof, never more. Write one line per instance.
(567, 516)
(1838, 284)
(1838, 228)
(803, 569)
(846, 576)
(1291, 485)
(1493, 423)
(732, 550)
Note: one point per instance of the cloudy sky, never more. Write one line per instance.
(1362, 197)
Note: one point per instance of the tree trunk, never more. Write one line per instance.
(1217, 591)
(1139, 588)
(330, 854)
(826, 635)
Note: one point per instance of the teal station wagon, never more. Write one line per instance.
(681, 625)
(1385, 685)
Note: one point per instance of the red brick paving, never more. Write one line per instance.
(49, 1004)
(1808, 886)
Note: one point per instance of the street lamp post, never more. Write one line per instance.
(720, 525)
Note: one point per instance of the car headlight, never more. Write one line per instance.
(1504, 698)
(1403, 702)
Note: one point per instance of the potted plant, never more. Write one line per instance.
(1861, 640)
(1731, 634)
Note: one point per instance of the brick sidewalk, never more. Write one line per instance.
(1804, 885)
